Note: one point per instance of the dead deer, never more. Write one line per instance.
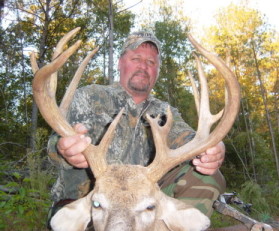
(127, 197)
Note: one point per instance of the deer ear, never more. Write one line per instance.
(179, 216)
(72, 217)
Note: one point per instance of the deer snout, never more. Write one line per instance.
(120, 220)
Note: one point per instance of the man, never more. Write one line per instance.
(197, 182)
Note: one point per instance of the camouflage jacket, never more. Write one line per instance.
(95, 106)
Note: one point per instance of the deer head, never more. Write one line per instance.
(127, 197)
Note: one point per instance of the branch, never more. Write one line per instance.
(129, 7)
(10, 190)
(12, 143)
(41, 4)
(239, 157)
(25, 11)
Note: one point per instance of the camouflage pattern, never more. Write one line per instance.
(95, 106)
(196, 189)
(137, 38)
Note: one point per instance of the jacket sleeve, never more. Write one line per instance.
(80, 111)
(54, 157)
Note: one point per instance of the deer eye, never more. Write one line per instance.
(96, 204)
(150, 207)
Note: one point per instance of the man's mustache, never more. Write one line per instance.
(141, 72)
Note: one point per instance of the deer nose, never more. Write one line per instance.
(120, 226)
(120, 220)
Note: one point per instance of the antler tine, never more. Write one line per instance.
(160, 133)
(195, 92)
(202, 101)
(34, 64)
(167, 158)
(57, 51)
(45, 99)
(160, 136)
(67, 99)
(206, 119)
(95, 155)
(63, 41)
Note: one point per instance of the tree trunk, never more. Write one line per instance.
(249, 132)
(42, 49)
(267, 114)
(23, 73)
(276, 99)
(110, 67)
(248, 126)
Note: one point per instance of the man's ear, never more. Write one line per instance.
(119, 64)
(179, 216)
(73, 217)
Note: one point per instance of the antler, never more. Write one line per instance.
(44, 88)
(167, 158)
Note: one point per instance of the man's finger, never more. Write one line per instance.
(78, 147)
(80, 128)
(66, 142)
(78, 161)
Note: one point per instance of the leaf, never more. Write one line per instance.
(22, 192)
(12, 184)
(2, 204)
(21, 209)
(17, 175)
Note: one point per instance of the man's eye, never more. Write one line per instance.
(150, 62)
(136, 59)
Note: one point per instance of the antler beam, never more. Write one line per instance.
(167, 158)
(44, 88)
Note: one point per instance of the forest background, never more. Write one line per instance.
(241, 35)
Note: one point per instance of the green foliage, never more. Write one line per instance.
(252, 193)
(219, 220)
(271, 193)
(25, 201)
(243, 35)
(25, 204)
(172, 84)
(22, 211)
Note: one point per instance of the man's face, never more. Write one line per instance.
(139, 70)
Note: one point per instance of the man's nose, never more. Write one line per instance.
(143, 64)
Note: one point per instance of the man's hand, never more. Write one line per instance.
(211, 160)
(71, 148)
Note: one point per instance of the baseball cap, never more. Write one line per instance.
(137, 38)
